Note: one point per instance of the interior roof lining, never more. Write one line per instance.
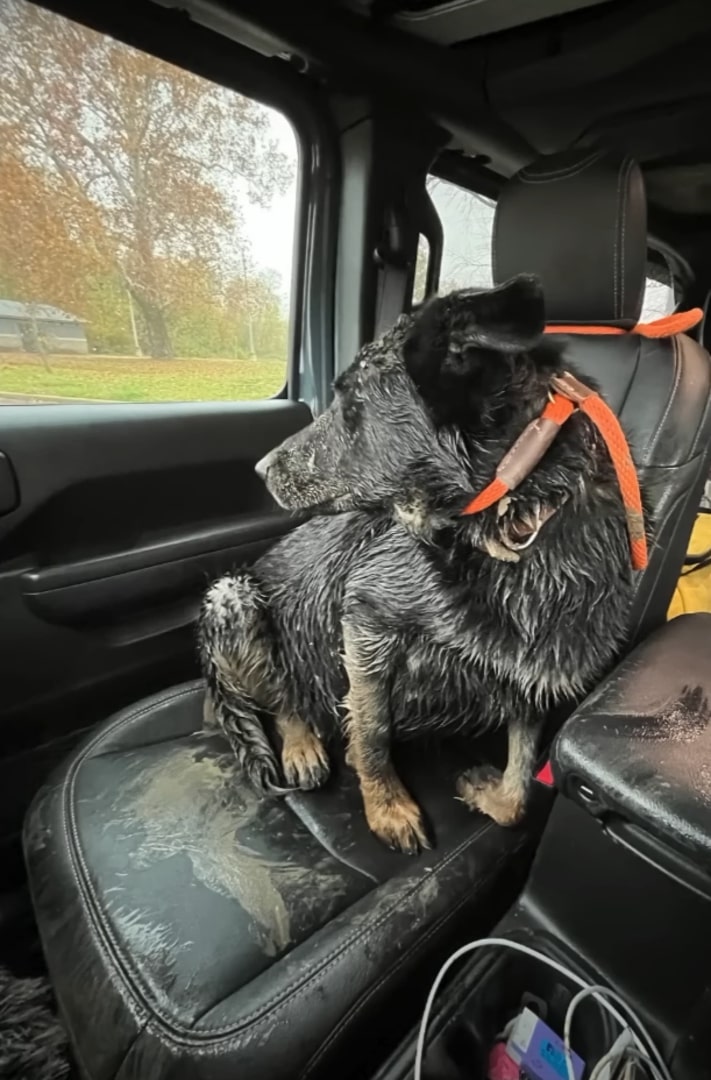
(459, 20)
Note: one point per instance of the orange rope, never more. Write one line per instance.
(678, 323)
(559, 409)
(573, 329)
(609, 427)
(486, 498)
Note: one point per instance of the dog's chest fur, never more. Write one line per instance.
(462, 637)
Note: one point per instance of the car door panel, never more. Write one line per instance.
(123, 515)
(99, 590)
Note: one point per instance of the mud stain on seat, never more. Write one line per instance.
(192, 803)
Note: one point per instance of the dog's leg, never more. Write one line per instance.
(390, 811)
(303, 756)
(236, 660)
(503, 796)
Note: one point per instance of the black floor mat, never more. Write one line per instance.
(33, 1045)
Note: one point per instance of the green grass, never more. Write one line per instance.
(119, 378)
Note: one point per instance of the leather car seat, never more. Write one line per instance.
(193, 931)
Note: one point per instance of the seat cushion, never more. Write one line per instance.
(193, 930)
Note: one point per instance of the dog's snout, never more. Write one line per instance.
(262, 466)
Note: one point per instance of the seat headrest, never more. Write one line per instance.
(578, 220)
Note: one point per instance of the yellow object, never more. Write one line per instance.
(693, 591)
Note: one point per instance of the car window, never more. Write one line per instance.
(146, 224)
(660, 294)
(467, 224)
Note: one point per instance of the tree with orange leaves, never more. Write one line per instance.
(116, 159)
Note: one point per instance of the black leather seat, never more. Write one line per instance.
(192, 931)
(579, 220)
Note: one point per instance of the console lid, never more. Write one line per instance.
(637, 752)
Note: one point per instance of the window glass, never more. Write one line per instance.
(146, 224)
(419, 289)
(659, 294)
(467, 223)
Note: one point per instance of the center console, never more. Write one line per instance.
(620, 891)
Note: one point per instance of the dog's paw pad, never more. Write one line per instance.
(305, 762)
(398, 823)
(483, 789)
(480, 778)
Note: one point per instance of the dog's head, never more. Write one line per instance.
(393, 435)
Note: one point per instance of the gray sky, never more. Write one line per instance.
(271, 232)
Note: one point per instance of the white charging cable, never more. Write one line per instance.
(604, 997)
(658, 1069)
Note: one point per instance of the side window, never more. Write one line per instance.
(146, 224)
(419, 289)
(660, 293)
(467, 223)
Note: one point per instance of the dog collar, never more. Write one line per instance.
(568, 396)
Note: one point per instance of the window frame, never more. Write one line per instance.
(170, 35)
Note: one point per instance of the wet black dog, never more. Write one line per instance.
(390, 602)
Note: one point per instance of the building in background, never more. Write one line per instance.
(40, 328)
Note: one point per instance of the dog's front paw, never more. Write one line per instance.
(304, 760)
(398, 822)
(483, 788)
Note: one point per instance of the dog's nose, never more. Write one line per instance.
(262, 466)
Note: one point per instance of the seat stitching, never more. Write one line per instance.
(83, 884)
(356, 937)
(559, 174)
(359, 1005)
(625, 170)
(132, 978)
(616, 244)
(621, 210)
(631, 380)
(651, 446)
(287, 997)
(704, 416)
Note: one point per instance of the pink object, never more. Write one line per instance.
(501, 1067)
(545, 775)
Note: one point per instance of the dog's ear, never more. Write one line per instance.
(457, 343)
(510, 318)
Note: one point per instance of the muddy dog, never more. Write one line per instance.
(392, 614)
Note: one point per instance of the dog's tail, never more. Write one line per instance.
(235, 658)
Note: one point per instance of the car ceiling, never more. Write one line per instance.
(462, 20)
(634, 73)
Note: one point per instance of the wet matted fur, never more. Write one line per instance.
(391, 614)
(33, 1045)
